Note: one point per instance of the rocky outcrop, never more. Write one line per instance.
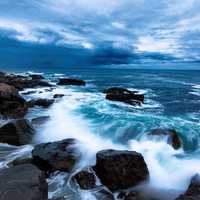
(45, 103)
(17, 132)
(124, 95)
(58, 96)
(120, 169)
(61, 155)
(11, 103)
(193, 191)
(86, 179)
(172, 136)
(22, 82)
(69, 81)
(23, 182)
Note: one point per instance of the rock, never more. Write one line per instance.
(86, 179)
(23, 182)
(22, 82)
(69, 81)
(21, 161)
(124, 95)
(36, 76)
(58, 96)
(61, 155)
(29, 92)
(59, 198)
(135, 195)
(17, 132)
(40, 120)
(45, 103)
(11, 103)
(120, 169)
(103, 194)
(173, 137)
(193, 191)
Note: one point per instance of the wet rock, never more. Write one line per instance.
(29, 92)
(124, 95)
(45, 103)
(58, 96)
(173, 137)
(135, 195)
(22, 82)
(103, 194)
(61, 155)
(86, 179)
(193, 191)
(59, 198)
(21, 161)
(40, 120)
(11, 103)
(17, 132)
(36, 76)
(120, 169)
(23, 182)
(69, 81)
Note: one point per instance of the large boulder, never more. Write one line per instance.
(61, 155)
(11, 103)
(45, 103)
(124, 95)
(172, 136)
(17, 132)
(22, 82)
(23, 182)
(120, 169)
(193, 191)
(69, 81)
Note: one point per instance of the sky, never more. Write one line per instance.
(72, 32)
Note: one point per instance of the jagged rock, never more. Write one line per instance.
(86, 179)
(17, 132)
(23, 182)
(193, 191)
(120, 169)
(173, 137)
(124, 95)
(11, 103)
(61, 155)
(69, 81)
(45, 103)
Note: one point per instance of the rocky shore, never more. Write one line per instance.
(117, 174)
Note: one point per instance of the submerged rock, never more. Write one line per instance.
(193, 191)
(11, 103)
(124, 95)
(40, 120)
(17, 132)
(61, 155)
(45, 103)
(120, 169)
(86, 179)
(173, 137)
(58, 96)
(23, 182)
(69, 81)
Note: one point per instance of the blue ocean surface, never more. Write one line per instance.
(172, 101)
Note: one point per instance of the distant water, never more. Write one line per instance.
(172, 100)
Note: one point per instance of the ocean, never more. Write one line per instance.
(172, 101)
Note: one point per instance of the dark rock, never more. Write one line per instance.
(23, 182)
(36, 76)
(193, 191)
(11, 103)
(58, 96)
(173, 137)
(17, 132)
(135, 195)
(21, 161)
(86, 179)
(45, 103)
(124, 95)
(103, 194)
(69, 81)
(29, 92)
(61, 155)
(22, 82)
(59, 198)
(40, 120)
(120, 169)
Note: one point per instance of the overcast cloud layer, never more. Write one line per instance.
(105, 28)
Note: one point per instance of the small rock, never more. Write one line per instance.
(120, 169)
(58, 96)
(36, 76)
(20, 161)
(173, 137)
(45, 103)
(69, 81)
(124, 95)
(17, 132)
(61, 155)
(23, 182)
